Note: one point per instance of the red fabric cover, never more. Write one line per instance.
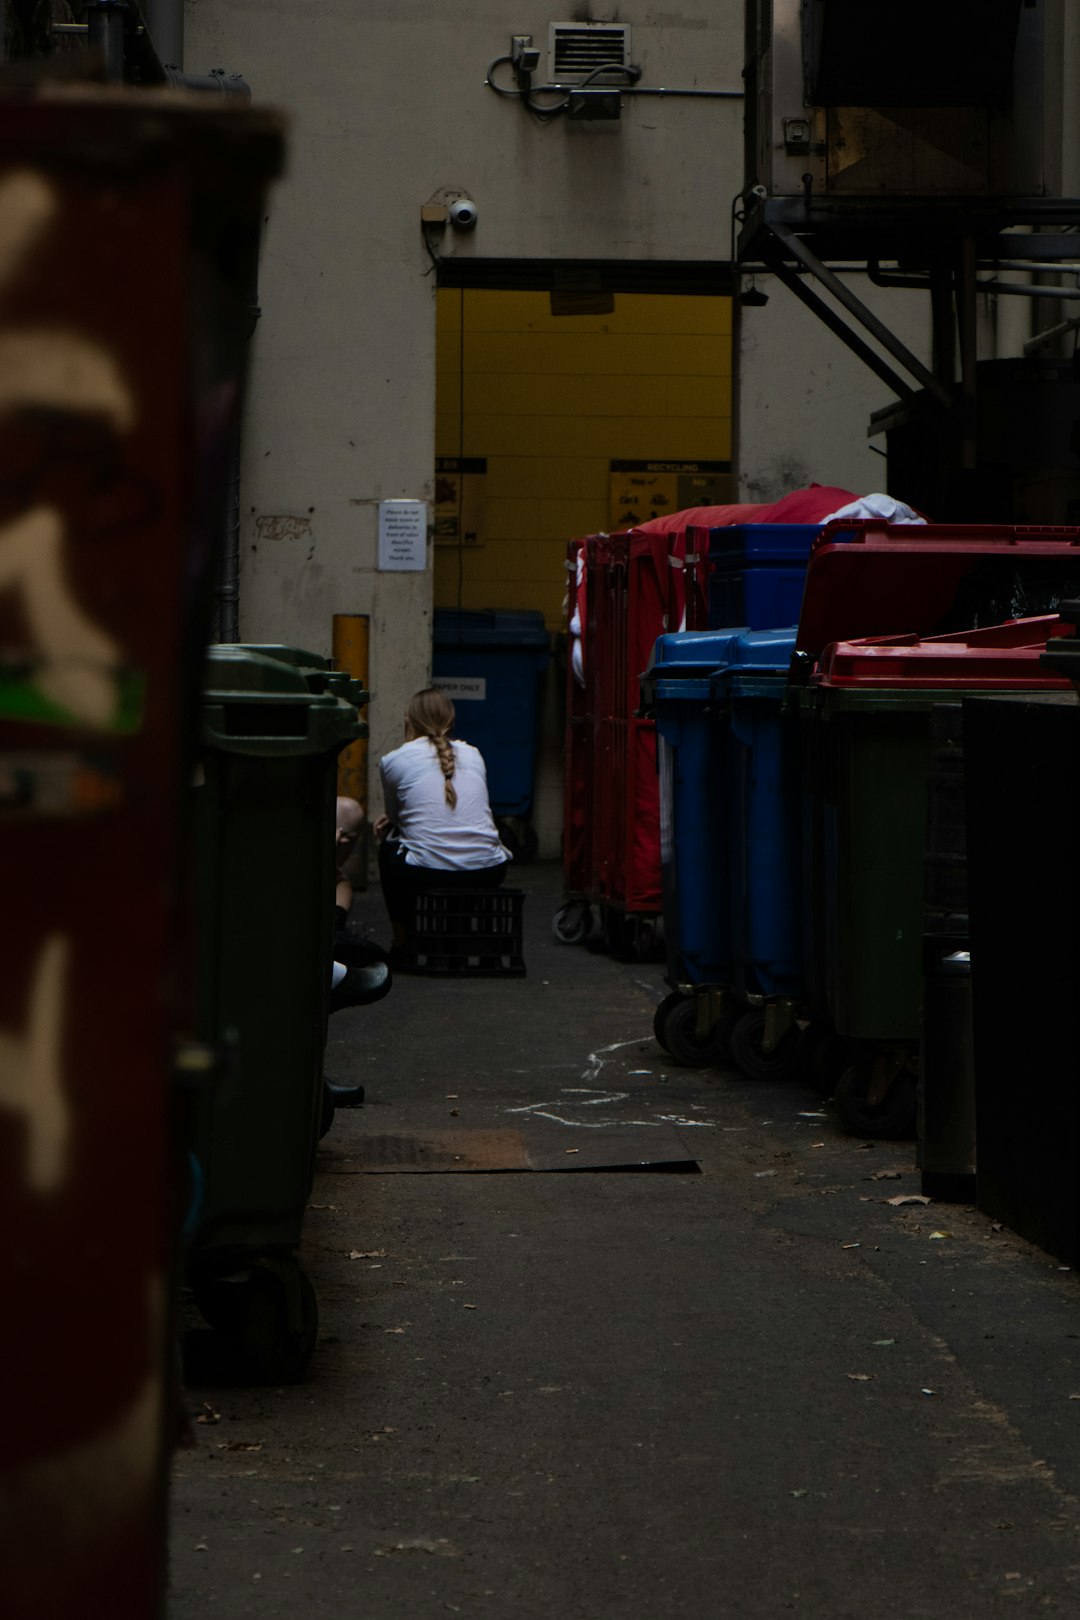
(811, 505)
(711, 517)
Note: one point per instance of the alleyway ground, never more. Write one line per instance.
(755, 1391)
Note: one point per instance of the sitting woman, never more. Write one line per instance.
(438, 831)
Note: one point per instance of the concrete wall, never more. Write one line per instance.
(389, 110)
(803, 400)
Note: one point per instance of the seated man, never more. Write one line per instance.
(360, 973)
(350, 824)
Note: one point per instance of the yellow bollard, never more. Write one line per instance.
(350, 653)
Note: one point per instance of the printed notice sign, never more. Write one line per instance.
(403, 536)
(473, 688)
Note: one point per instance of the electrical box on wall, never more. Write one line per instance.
(902, 97)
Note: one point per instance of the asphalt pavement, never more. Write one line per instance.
(744, 1382)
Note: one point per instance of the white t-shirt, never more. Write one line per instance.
(434, 835)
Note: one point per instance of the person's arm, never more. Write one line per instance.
(390, 802)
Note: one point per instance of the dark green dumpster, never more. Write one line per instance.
(873, 703)
(264, 915)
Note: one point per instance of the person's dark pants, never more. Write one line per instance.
(401, 883)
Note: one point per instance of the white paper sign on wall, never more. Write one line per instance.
(403, 536)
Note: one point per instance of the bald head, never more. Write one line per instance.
(350, 819)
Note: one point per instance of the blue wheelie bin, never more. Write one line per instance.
(490, 663)
(697, 935)
(762, 848)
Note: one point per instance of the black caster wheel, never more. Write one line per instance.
(660, 1017)
(889, 1119)
(220, 1300)
(275, 1345)
(648, 940)
(681, 1039)
(749, 1056)
(572, 922)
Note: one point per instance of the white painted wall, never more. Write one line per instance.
(388, 107)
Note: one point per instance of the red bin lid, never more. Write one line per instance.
(882, 579)
(1001, 657)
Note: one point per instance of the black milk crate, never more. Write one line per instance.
(469, 931)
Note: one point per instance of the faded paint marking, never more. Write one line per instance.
(79, 657)
(31, 1081)
(28, 205)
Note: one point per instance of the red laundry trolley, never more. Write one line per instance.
(625, 590)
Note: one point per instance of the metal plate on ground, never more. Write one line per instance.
(489, 1152)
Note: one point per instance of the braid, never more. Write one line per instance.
(445, 752)
(430, 714)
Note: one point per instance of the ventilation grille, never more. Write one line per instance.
(577, 49)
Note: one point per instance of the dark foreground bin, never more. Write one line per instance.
(1022, 773)
(489, 664)
(128, 220)
(265, 882)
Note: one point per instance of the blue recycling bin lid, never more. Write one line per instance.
(756, 653)
(490, 627)
(683, 661)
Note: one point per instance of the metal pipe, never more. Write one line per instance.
(858, 309)
(1051, 266)
(1028, 292)
(967, 322)
(105, 31)
(165, 21)
(1052, 333)
(944, 329)
(228, 585)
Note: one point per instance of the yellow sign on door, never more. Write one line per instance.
(641, 490)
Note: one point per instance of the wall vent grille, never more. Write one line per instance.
(577, 49)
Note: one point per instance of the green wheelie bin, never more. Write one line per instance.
(264, 827)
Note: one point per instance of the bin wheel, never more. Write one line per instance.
(326, 1111)
(749, 1056)
(891, 1118)
(572, 922)
(219, 1300)
(273, 1350)
(647, 939)
(682, 1040)
(660, 1016)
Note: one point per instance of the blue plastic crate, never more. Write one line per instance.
(757, 572)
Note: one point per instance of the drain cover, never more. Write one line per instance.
(489, 1152)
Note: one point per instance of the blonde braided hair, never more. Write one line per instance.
(430, 714)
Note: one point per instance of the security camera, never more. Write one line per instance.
(463, 214)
